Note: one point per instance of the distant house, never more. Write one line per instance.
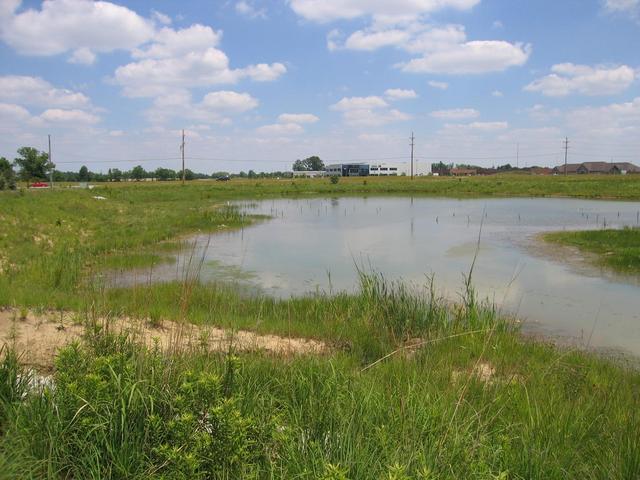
(569, 168)
(594, 168)
(625, 168)
(463, 172)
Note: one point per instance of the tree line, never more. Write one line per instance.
(32, 165)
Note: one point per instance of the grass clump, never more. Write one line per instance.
(616, 249)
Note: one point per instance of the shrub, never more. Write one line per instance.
(335, 179)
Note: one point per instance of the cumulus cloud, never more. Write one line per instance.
(330, 10)
(568, 78)
(609, 120)
(215, 107)
(73, 25)
(369, 111)
(623, 6)
(246, 9)
(442, 49)
(38, 92)
(280, 129)
(475, 57)
(298, 118)
(456, 114)
(57, 115)
(400, 94)
(438, 85)
(83, 56)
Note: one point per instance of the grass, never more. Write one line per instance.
(617, 249)
(413, 386)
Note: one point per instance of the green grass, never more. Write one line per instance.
(616, 249)
(119, 410)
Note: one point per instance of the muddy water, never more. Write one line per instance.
(314, 245)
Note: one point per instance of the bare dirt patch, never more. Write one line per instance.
(37, 337)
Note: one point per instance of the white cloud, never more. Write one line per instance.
(368, 111)
(244, 8)
(161, 17)
(83, 56)
(170, 43)
(12, 112)
(197, 68)
(71, 25)
(438, 85)
(568, 78)
(497, 93)
(400, 94)
(57, 115)
(497, 24)
(359, 103)
(443, 49)
(280, 129)
(38, 92)
(475, 127)
(475, 57)
(228, 101)
(623, 6)
(610, 120)
(329, 10)
(214, 107)
(456, 114)
(298, 118)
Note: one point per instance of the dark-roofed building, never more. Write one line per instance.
(595, 167)
(624, 168)
(569, 168)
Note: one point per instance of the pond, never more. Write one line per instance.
(312, 245)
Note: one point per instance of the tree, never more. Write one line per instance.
(189, 175)
(33, 164)
(138, 173)
(310, 164)
(252, 174)
(165, 174)
(7, 175)
(83, 174)
(115, 175)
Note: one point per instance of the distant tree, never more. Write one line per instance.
(242, 174)
(310, 164)
(33, 164)
(219, 174)
(83, 174)
(505, 168)
(114, 175)
(165, 174)
(138, 173)
(252, 174)
(189, 175)
(7, 175)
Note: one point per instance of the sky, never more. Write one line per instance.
(257, 84)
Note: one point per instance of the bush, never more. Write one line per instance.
(335, 179)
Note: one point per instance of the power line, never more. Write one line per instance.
(182, 151)
(412, 146)
(566, 153)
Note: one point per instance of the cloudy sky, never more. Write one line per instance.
(257, 84)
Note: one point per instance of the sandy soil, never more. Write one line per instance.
(39, 336)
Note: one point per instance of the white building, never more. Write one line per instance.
(384, 170)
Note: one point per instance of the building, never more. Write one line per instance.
(384, 170)
(569, 168)
(309, 173)
(348, 169)
(594, 168)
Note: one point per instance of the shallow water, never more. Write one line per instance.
(312, 245)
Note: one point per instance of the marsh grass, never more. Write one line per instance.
(413, 386)
(618, 249)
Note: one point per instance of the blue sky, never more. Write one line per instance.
(257, 84)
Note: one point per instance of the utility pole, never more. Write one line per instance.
(50, 165)
(412, 145)
(517, 155)
(566, 153)
(182, 150)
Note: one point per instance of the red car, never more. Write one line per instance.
(39, 185)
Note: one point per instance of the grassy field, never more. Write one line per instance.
(460, 395)
(616, 249)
